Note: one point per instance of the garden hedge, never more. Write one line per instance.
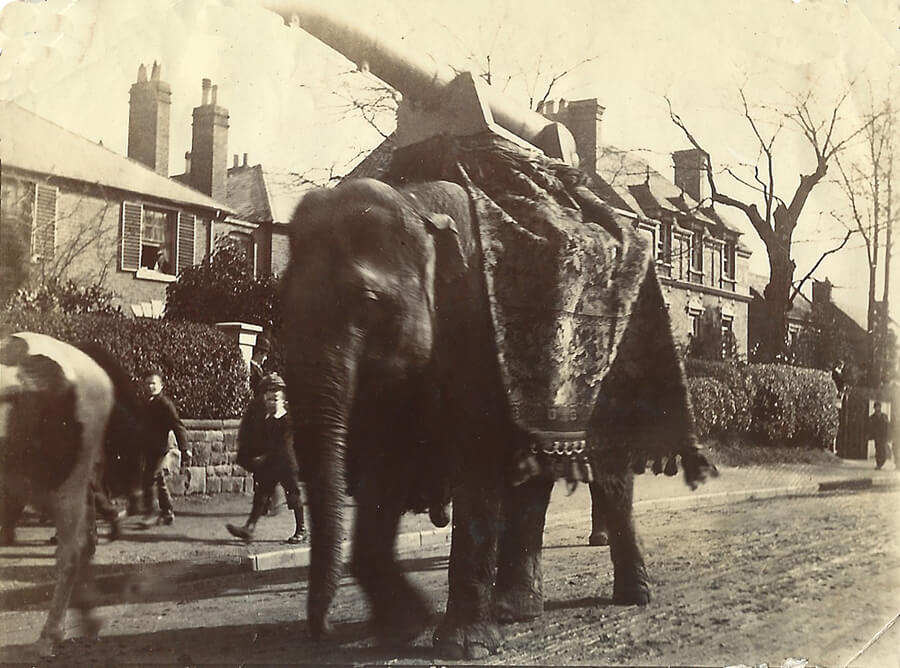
(771, 404)
(204, 372)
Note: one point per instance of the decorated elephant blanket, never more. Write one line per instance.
(583, 337)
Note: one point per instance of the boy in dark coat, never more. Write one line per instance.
(266, 449)
(161, 417)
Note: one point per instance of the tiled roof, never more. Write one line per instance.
(245, 192)
(258, 195)
(644, 191)
(35, 144)
(376, 163)
(802, 307)
(622, 180)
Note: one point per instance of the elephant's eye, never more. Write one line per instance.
(369, 304)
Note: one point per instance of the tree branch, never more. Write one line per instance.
(799, 284)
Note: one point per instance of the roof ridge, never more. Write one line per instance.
(16, 108)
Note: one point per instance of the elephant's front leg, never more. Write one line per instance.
(469, 629)
(519, 590)
(399, 610)
(612, 496)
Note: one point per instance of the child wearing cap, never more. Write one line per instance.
(266, 449)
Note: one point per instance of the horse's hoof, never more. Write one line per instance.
(90, 626)
(46, 647)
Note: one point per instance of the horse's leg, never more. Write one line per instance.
(11, 508)
(70, 511)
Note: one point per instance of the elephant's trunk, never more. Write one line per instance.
(320, 396)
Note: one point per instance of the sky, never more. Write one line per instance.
(73, 61)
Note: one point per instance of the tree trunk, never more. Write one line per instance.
(773, 341)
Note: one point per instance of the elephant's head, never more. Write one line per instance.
(358, 296)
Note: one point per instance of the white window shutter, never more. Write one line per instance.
(43, 233)
(132, 215)
(185, 241)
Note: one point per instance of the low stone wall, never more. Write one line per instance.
(212, 471)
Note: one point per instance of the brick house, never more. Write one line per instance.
(702, 264)
(88, 214)
(262, 201)
(819, 331)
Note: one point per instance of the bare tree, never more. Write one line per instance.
(774, 217)
(867, 182)
(85, 237)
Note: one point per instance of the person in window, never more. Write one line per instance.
(266, 449)
(162, 261)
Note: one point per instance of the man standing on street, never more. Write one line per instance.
(878, 429)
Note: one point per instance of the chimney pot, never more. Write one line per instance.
(205, 99)
(187, 162)
(154, 75)
(215, 90)
(142, 73)
(245, 159)
(235, 163)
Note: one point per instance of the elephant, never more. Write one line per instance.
(398, 398)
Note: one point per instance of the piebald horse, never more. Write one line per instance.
(55, 404)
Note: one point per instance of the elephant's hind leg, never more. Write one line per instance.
(399, 611)
(613, 497)
(518, 594)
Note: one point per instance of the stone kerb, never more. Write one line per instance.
(212, 471)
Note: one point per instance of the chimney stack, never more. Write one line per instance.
(148, 120)
(821, 292)
(209, 145)
(583, 119)
(691, 168)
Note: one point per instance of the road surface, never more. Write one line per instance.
(812, 578)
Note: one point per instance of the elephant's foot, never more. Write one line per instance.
(598, 539)
(466, 641)
(518, 604)
(631, 586)
(401, 617)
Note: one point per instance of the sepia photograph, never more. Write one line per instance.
(411, 332)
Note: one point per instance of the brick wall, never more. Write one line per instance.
(213, 471)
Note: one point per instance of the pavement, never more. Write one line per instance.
(197, 544)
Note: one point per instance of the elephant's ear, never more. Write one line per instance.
(451, 260)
